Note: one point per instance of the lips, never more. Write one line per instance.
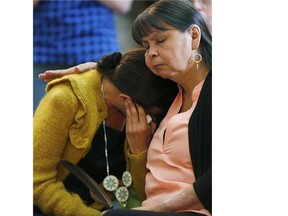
(157, 65)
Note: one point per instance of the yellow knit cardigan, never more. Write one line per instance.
(64, 125)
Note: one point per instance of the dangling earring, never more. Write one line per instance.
(196, 57)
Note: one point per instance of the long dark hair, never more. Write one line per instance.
(129, 73)
(180, 14)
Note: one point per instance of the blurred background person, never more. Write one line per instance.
(205, 8)
(67, 33)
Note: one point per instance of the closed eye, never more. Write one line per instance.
(160, 41)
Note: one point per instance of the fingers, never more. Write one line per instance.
(129, 120)
(136, 119)
(141, 114)
(137, 132)
(135, 112)
(84, 67)
(60, 72)
(78, 70)
(43, 76)
(53, 74)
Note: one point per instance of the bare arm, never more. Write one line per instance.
(53, 74)
(185, 199)
(119, 6)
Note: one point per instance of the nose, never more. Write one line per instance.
(152, 52)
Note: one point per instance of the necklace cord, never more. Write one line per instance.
(121, 193)
(106, 148)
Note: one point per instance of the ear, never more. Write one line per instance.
(195, 33)
(124, 96)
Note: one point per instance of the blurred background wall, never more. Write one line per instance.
(124, 24)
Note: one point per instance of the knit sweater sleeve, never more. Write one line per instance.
(137, 167)
(51, 124)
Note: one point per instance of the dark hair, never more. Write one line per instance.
(129, 73)
(180, 14)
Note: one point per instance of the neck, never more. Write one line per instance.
(193, 78)
(188, 85)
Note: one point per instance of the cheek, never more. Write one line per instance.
(122, 107)
(186, 49)
(148, 62)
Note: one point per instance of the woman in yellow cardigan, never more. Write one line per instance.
(81, 119)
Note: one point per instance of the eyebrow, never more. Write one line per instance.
(155, 35)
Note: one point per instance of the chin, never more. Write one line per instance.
(163, 74)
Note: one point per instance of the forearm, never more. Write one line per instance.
(119, 6)
(137, 167)
(53, 74)
(185, 199)
(57, 200)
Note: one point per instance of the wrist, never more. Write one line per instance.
(138, 150)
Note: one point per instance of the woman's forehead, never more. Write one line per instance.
(154, 33)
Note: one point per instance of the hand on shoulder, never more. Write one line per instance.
(49, 75)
